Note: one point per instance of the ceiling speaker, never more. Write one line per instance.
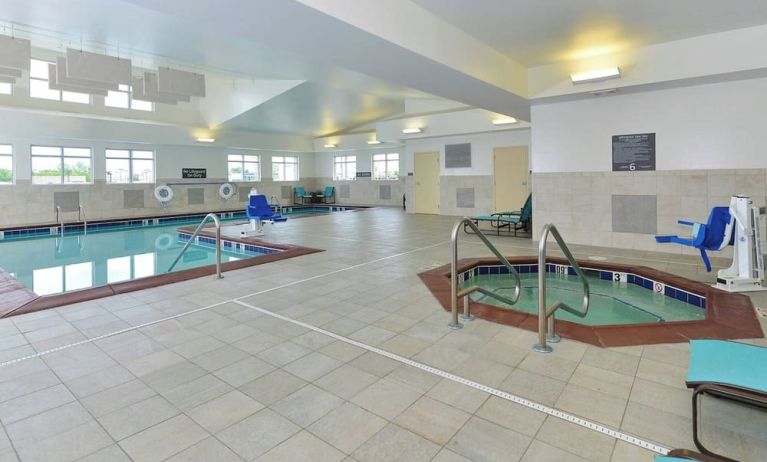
(97, 67)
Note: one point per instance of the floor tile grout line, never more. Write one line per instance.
(616, 434)
(214, 305)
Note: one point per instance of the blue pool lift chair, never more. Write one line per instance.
(716, 234)
(259, 209)
(299, 193)
(328, 194)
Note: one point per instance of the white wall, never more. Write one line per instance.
(482, 146)
(715, 126)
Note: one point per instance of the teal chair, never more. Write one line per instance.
(328, 194)
(726, 370)
(299, 193)
(510, 221)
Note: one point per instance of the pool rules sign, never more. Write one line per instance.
(634, 152)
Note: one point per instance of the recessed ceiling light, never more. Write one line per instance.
(505, 121)
(331, 145)
(595, 75)
(408, 131)
(206, 140)
(374, 142)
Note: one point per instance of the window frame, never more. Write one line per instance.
(128, 90)
(61, 93)
(13, 165)
(62, 157)
(284, 163)
(242, 163)
(130, 160)
(345, 162)
(386, 162)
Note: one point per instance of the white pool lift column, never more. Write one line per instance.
(747, 270)
(255, 226)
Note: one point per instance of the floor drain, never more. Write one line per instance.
(597, 258)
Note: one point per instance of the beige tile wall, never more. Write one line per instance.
(364, 191)
(24, 204)
(579, 204)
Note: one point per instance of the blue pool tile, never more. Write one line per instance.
(670, 292)
(605, 275)
(681, 296)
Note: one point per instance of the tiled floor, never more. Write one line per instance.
(221, 381)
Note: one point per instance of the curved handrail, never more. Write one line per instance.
(81, 217)
(217, 222)
(454, 294)
(546, 314)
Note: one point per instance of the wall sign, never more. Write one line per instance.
(194, 173)
(634, 152)
(364, 174)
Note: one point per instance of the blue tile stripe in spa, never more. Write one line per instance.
(646, 283)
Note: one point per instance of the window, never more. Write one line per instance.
(345, 167)
(123, 98)
(6, 88)
(129, 166)
(285, 168)
(243, 167)
(38, 86)
(6, 164)
(57, 165)
(385, 166)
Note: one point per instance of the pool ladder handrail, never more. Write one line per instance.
(196, 233)
(455, 293)
(546, 327)
(60, 219)
(81, 218)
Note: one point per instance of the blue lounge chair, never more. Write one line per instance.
(511, 221)
(728, 370)
(330, 192)
(300, 193)
(716, 234)
(259, 209)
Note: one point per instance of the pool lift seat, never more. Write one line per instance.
(259, 211)
(736, 225)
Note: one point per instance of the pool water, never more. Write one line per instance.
(610, 303)
(53, 265)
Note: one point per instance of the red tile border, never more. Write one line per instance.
(728, 315)
(53, 301)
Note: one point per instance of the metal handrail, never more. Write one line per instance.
(60, 219)
(195, 234)
(454, 293)
(81, 217)
(546, 314)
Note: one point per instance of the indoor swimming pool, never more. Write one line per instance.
(53, 264)
(611, 303)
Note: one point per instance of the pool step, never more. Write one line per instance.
(13, 294)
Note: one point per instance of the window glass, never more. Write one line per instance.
(57, 165)
(39, 78)
(386, 166)
(123, 98)
(6, 88)
(285, 168)
(6, 164)
(244, 167)
(129, 166)
(344, 167)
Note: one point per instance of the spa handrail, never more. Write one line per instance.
(217, 222)
(454, 293)
(60, 219)
(81, 217)
(546, 314)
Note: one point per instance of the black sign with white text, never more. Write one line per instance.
(634, 152)
(194, 173)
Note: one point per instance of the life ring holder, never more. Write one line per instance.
(163, 194)
(164, 242)
(226, 191)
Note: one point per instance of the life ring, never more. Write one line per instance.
(164, 242)
(226, 191)
(163, 194)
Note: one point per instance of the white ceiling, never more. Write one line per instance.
(536, 32)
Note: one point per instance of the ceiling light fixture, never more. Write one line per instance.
(374, 142)
(206, 140)
(596, 75)
(331, 145)
(409, 131)
(505, 121)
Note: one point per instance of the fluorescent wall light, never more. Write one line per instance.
(206, 140)
(505, 121)
(408, 131)
(374, 142)
(331, 145)
(596, 75)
